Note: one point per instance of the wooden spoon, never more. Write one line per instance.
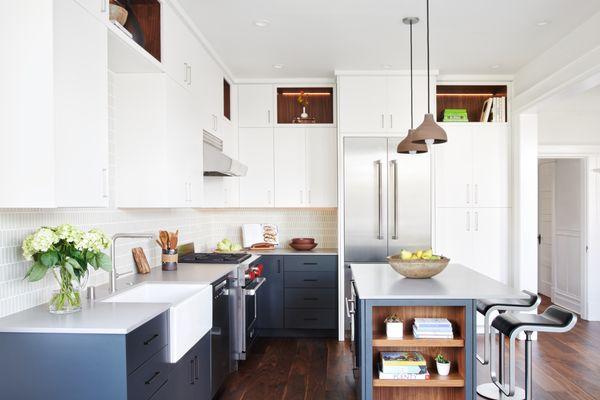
(164, 238)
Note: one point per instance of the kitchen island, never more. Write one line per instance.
(378, 291)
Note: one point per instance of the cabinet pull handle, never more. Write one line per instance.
(149, 381)
(197, 368)
(468, 221)
(468, 194)
(310, 263)
(190, 75)
(268, 116)
(311, 280)
(311, 298)
(476, 221)
(380, 199)
(278, 266)
(147, 342)
(382, 121)
(185, 72)
(395, 169)
(192, 371)
(311, 319)
(391, 121)
(476, 191)
(104, 183)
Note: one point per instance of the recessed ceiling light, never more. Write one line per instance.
(278, 66)
(262, 23)
(542, 23)
(386, 66)
(495, 66)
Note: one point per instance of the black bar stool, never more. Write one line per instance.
(487, 307)
(554, 319)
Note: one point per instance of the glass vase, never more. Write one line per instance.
(67, 298)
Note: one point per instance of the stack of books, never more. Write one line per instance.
(494, 107)
(402, 365)
(456, 115)
(432, 328)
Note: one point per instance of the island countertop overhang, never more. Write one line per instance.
(380, 281)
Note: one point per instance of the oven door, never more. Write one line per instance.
(250, 311)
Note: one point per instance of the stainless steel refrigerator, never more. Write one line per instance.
(387, 199)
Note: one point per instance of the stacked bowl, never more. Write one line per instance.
(303, 244)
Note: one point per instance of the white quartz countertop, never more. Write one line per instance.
(114, 318)
(380, 281)
(288, 251)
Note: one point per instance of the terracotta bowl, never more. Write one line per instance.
(418, 269)
(303, 240)
(303, 246)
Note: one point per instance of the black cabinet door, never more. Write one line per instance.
(181, 380)
(270, 295)
(202, 367)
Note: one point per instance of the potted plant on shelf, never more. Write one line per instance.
(442, 364)
(68, 252)
(394, 327)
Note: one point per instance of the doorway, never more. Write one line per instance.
(562, 230)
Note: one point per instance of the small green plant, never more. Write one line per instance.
(393, 319)
(441, 359)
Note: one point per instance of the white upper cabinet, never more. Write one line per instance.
(362, 104)
(98, 8)
(473, 167)
(178, 44)
(321, 167)
(290, 167)
(256, 151)
(81, 109)
(380, 104)
(256, 106)
(54, 141)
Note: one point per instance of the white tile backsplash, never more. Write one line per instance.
(204, 227)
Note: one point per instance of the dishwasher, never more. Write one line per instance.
(221, 354)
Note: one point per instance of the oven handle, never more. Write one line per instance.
(251, 289)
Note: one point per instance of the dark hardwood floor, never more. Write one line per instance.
(565, 367)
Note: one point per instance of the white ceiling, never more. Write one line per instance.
(312, 38)
(586, 102)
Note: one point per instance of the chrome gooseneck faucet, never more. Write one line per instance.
(113, 274)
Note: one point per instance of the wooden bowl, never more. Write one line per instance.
(303, 240)
(303, 246)
(418, 269)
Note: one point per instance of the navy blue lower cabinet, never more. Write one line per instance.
(270, 295)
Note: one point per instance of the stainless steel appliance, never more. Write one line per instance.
(387, 201)
(221, 359)
(217, 163)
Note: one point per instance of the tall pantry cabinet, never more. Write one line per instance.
(472, 196)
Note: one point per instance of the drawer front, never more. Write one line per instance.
(310, 279)
(310, 298)
(310, 263)
(310, 319)
(145, 341)
(147, 379)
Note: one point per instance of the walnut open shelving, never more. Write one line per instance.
(454, 380)
(469, 97)
(410, 341)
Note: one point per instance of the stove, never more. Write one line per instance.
(214, 258)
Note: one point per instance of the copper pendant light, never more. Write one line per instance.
(406, 146)
(429, 132)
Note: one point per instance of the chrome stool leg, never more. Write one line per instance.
(490, 390)
(528, 365)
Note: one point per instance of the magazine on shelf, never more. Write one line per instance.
(425, 376)
(406, 369)
(402, 358)
(432, 323)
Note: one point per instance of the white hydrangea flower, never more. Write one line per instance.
(93, 240)
(40, 241)
(69, 233)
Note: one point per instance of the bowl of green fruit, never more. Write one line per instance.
(226, 246)
(420, 264)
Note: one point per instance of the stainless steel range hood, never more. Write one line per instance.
(217, 163)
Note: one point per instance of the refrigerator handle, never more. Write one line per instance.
(380, 202)
(395, 169)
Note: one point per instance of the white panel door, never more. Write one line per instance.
(26, 96)
(490, 242)
(454, 167)
(177, 47)
(454, 236)
(491, 165)
(290, 167)
(256, 151)
(546, 171)
(255, 104)
(81, 107)
(362, 104)
(321, 167)
(398, 104)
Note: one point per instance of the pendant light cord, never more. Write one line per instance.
(428, 79)
(411, 76)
